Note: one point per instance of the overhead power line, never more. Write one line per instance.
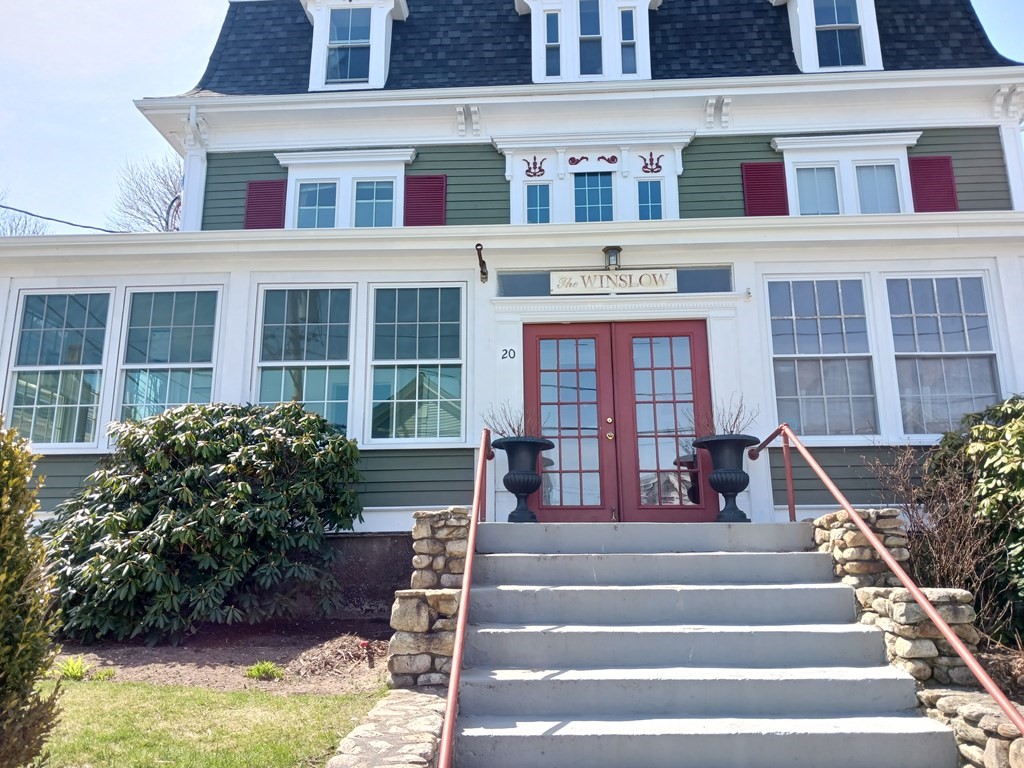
(60, 221)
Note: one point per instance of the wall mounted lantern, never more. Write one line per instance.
(611, 256)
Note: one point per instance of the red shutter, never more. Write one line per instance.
(934, 184)
(764, 189)
(425, 198)
(264, 204)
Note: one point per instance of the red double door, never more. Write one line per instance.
(622, 403)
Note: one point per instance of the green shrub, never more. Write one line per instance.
(264, 670)
(72, 668)
(205, 513)
(26, 618)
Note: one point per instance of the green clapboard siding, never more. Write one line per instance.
(849, 468)
(409, 477)
(391, 478)
(978, 164)
(478, 192)
(227, 175)
(63, 476)
(711, 184)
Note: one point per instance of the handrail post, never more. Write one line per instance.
(787, 461)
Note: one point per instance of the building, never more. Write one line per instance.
(623, 215)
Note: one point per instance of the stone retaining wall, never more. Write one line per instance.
(912, 641)
(985, 736)
(424, 617)
(856, 561)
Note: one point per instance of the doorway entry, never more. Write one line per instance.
(623, 403)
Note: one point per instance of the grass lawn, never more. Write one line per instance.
(137, 725)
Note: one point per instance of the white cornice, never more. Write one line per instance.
(60, 252)
(848, 141)
(611, 138)
(343, 157)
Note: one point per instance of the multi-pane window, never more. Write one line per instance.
(628, 41)
(318, 205)
(417, 363)
(375, 204)
(538, 203)
(348, 46)
(304, 350)
(168, 355)
(552, 46)
(649, 206)
(817, 191)
(877, 188)
(58, 367)
(593, 196)
(824, 383)
(590, 37)
(945, 362)
(838, 30)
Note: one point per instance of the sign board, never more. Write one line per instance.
(617, 281)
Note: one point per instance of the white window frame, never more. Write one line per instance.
(845, 153)
(258, 364)
(805, 36)
(109, 339)
(299, 183)
(366, 403)
(346, 168)
(123, 367)
(569, 37)
(382, 15)
(394, 200)
(559, 158)
(874, 277)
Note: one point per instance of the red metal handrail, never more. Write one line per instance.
(977, 670)
(477, 514)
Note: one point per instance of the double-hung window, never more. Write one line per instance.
(824, 383)
(627, 40)
(945, 360)
(317, 206)
(348, 46)
(168, 351)
(590, 37)
(417, 363)
(878, 188)
(593, 196)
(304, 350)
(838, 33)
(552, 45)
(58, 367)
(375, 204)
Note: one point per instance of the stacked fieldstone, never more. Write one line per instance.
(912, 641)
(424, 617)
(985, 736)
(856, 561)
(439, 546)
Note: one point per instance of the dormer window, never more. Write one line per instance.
(348, 47)
(580, 40)
(834, 35)
(351, 42)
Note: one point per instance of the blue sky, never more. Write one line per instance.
(71, 70)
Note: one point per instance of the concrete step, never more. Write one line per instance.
(661, 568)
(889, 739)
(571, 538)
(756, 604)
(687, 691)
(555, 645)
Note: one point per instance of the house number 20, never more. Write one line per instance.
(508, 354)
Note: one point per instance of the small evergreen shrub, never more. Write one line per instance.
(26, 618)
(205, 513)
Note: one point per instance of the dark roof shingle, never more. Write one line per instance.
(264, 47)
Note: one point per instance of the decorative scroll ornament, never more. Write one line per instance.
(650, 164)
(535, 170)
(610, 160)
(578, 160)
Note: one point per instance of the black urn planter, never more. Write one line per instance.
(522, 477)
(727, 476)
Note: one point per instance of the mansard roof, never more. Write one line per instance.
(265, 46)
